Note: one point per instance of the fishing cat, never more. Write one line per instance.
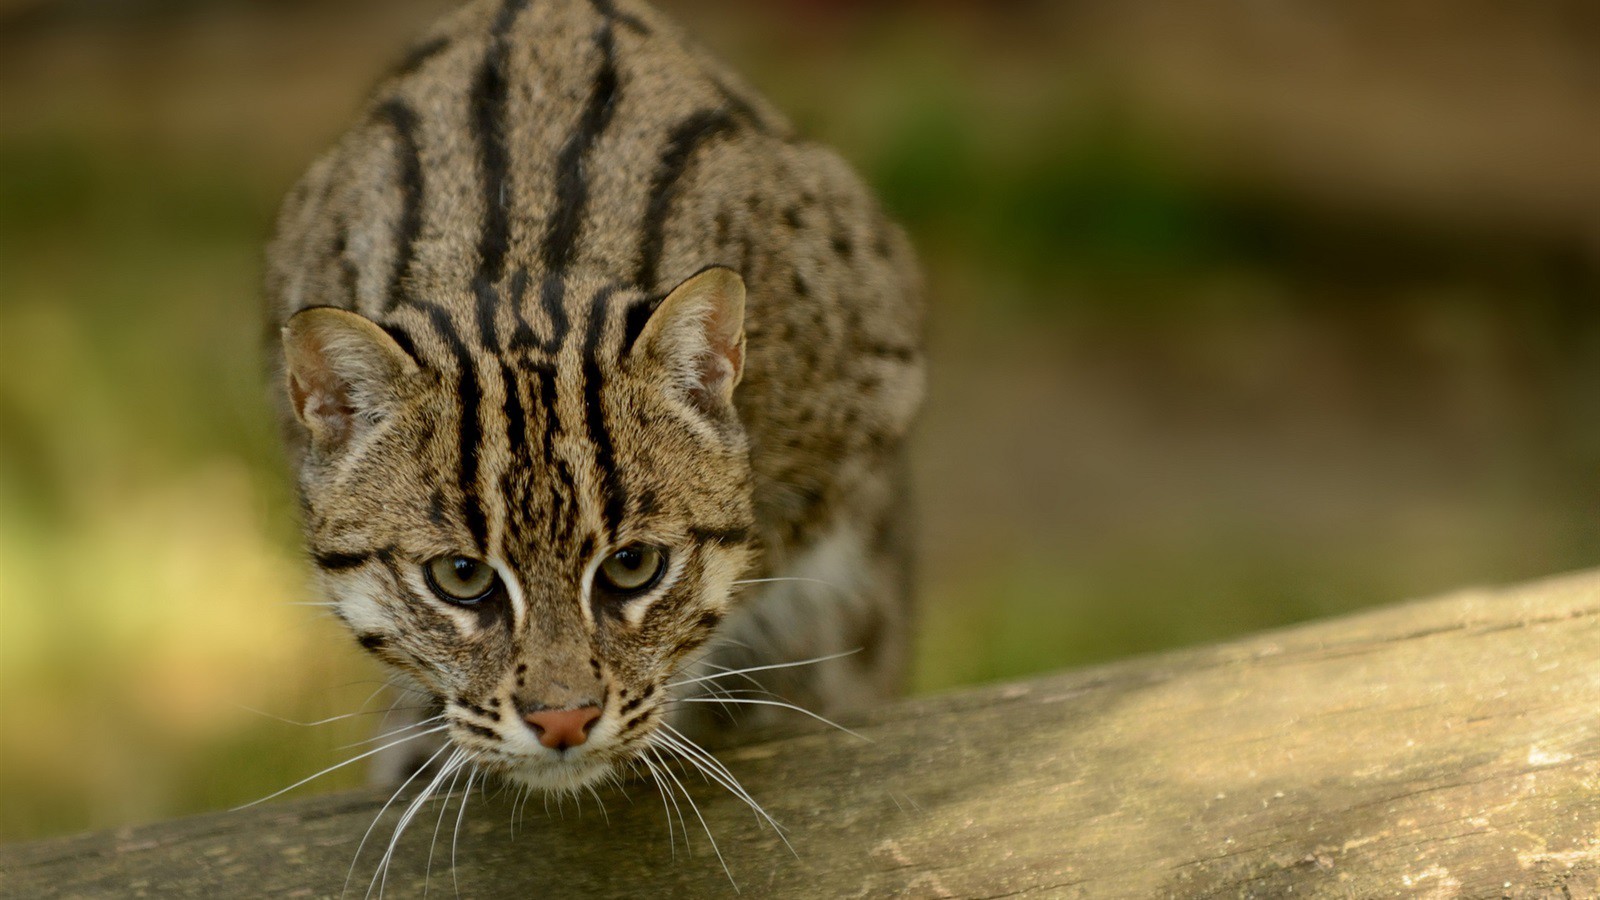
(596, 378)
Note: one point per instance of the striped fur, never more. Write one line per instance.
(510, 210)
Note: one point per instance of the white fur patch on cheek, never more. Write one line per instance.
(720, 574)
(359, 596)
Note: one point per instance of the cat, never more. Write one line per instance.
(596, 379)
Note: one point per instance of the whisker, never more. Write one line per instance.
(754, 702)
(696, 809)
(379, 817)
(725, 691)
(451, 765)
(392, 681)
(339, 766)
(790, 578)
(516, 798)
(672, 841)
(520, 800)
(614, 778)
(397, 730)
(713, 687)
(360, 710)
(787, 665)
(712, 767)
(715, 768)
(455, 839)
(315, 722)
(709, 650)
(433, 844)
(403, 691)
(264, 714)
(597, 802)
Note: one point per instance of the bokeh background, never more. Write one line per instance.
(1244, 313)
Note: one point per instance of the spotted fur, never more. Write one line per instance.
(480, 358)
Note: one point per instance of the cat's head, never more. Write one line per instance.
(538, 524)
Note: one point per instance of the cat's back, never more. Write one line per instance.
(556, 133)
(524, 145)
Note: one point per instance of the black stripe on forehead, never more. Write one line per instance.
(559, 482)
(514, 480)
(572, 188)
(552, 299)
(522, 338)
(604, 457)
(558, 246)
(403, 122)
(488, 101)
(469, 393)
(686, 138)
(419, 55)
(609, 9)
(488, 302)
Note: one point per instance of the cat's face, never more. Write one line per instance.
(539, 538)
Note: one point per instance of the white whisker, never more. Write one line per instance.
(434, 843)
(360, 711)
(787, 665)
(520, 800)
(713, 687)
(339, 766)
(672, 841)
(724, 691)
(381, 877)
(597, 802)
(275, 718)
(755, 702)
(451, 765)
(398, 730)
(379, 817)
(614, 779)
(455, 839)
(713, 768)
(696, 809)
(828, 584)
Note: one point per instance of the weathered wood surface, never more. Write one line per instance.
(1438, 749)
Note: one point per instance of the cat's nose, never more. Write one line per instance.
(559, 729)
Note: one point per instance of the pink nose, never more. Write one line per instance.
(559, 729)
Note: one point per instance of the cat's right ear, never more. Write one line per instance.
(698, 331)
(341, 371)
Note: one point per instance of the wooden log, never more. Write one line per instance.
(1439, 749)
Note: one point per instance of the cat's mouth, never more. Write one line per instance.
(562, 771)
(522, 757)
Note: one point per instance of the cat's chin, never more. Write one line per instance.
(558, 775)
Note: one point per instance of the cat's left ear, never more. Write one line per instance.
(342, 371)
(698, 332)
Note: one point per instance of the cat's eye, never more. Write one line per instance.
(633, 569)
(461, 579)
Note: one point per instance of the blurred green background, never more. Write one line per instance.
(1243, 314)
